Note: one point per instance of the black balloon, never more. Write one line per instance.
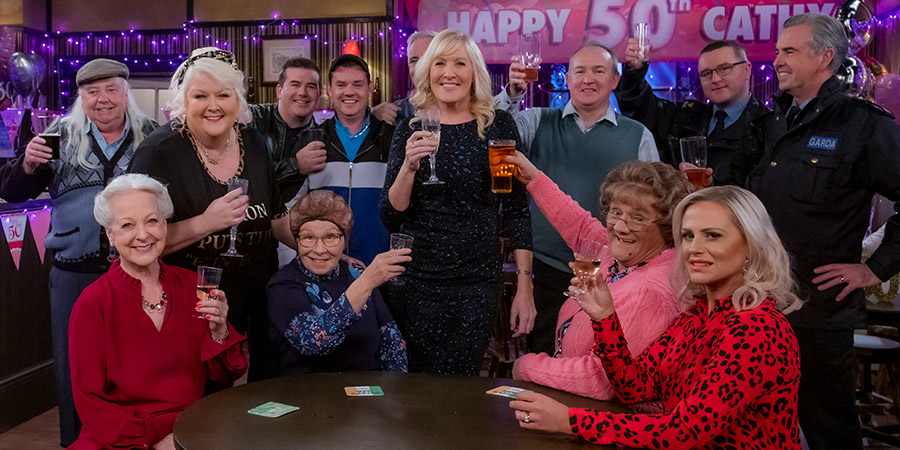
(26, 72)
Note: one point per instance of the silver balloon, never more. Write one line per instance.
(857, 78)
(26, 72)
(858, 22)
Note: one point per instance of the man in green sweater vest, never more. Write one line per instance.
(576, 147)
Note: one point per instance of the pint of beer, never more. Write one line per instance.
(501, 170)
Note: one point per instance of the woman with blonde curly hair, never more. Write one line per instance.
(326, 315)
(727, 371)
(206, 144)
(446, 305)
(638, 200)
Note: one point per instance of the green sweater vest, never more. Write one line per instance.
(578, 162)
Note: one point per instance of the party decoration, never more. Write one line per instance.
(856, 77)
(14, 229)
(887, 93)
(40, 226)
(7, 47)
(878, 69)
(351, 47)
(858, 22)
(12, 119)
(26, 72)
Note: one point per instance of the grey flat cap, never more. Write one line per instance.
(99, 69)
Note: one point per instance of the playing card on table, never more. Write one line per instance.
(272, 409)
(506, 391)
(363, 391)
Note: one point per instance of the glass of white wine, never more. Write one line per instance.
(431, 121)
(207, 279)
(589, 256)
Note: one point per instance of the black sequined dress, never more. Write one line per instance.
(446, 299)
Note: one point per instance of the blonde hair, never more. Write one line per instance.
(223, 72)
(481, 102)
(767, 270)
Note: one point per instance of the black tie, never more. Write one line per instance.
(792, 116)
(720, 122)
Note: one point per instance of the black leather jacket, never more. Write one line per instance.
(731, 154)
(269, 123)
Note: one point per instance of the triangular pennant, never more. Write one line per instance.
(14, 229)
(40, 226)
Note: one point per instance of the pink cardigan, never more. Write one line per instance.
(644, 299)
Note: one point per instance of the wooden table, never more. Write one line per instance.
(417, 411)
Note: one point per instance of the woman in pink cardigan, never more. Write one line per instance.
(638, 199)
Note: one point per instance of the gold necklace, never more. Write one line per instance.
(209, 157)
(155, 307)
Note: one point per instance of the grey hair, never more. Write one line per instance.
(767, 270)
(827, 33)
(131, 182)
(595, 44)
(220, 71)
(74, 123)
(427, 34)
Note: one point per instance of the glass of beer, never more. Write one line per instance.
(51, 140)
(207, 279)
(693, 152)
(501, 170)
(589, 257)
(530, 53)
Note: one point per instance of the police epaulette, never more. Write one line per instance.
(875, 106)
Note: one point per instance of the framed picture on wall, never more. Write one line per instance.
(277, 50)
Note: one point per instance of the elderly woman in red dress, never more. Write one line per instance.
(142, 347)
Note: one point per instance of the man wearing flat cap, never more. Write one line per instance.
(97, 140)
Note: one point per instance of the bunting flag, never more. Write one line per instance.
(40, 226)
(14, 228)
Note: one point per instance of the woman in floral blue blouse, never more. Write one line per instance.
(327, 315)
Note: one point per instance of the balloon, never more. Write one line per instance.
(857, 78)
(887, 93)
(858, 22)
(878, 69)
(26, 72)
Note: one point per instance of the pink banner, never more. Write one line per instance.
(40, 226)
(14, 229)
(679, 29)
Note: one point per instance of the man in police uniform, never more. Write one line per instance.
(725, 121)
(825, 156)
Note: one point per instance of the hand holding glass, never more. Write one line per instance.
(693, 151)
(431, 121)
(242, 184)
(589, 257)
(641, 33)
(207, 279)
(398, 241)
(530, 53)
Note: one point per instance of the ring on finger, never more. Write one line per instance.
(842, 278)
(414, 144)
(527, 418)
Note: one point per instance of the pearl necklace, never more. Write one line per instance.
(209, 157)
(155, 307)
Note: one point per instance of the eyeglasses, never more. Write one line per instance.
(309, 240)
(722, 70)
(637, 223)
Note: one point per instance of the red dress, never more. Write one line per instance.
(129, 380)
(726, 379)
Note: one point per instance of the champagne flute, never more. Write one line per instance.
(431, 121)
(242, 184)
(398, 241)
(588, 261)
(207, 279)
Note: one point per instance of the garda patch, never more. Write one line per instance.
(823, 143)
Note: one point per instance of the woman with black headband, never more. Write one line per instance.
(206, 144)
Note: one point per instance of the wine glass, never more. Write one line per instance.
(242, 184)
(589, 256)
(207, 279)
(431, 121)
